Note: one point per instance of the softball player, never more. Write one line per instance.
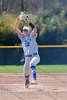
(30, 48)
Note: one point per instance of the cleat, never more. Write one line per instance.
(33, 82)
(27, 86)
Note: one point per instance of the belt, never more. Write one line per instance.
(31, 55)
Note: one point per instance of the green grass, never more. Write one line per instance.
(40, 69)
(52, 69)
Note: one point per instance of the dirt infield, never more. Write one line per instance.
(49, 87)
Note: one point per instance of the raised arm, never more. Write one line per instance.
(16, 26)
(34, 29)
(26, 20)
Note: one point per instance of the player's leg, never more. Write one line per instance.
(34, 61)
(26, 74)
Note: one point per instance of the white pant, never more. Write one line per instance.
(29, 61)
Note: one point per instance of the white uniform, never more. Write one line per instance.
(30, 50)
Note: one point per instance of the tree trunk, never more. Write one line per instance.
(28, 5)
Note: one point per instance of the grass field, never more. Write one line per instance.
(40, 69)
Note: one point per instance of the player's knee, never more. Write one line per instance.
(35, 61)
(38, 59)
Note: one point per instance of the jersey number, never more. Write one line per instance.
(27, 43)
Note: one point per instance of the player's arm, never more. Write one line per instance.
(34, 29)
(16, 26)
(26, 19)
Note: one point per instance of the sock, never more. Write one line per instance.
(26, 79)
(33, 68)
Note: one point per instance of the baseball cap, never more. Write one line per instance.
(26, 28)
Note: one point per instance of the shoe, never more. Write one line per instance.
(27, 86)
(33, 82)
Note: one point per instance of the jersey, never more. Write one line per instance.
(29, 43)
